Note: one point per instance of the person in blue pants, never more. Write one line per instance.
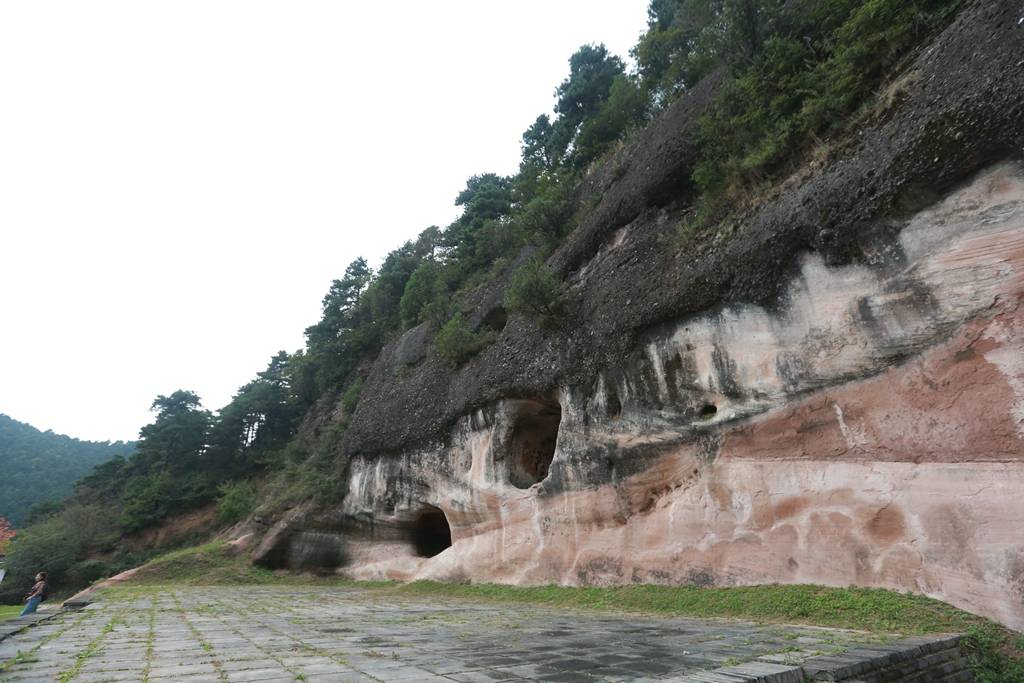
(36, 595)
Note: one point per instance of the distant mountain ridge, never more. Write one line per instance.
(39, 466)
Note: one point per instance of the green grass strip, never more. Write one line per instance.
(9, 611)
(150, 640)
(203, 643)
(92, 648)
(867, 609)
(29, 656)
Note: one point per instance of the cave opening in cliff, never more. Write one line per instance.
(431, 533)
(495, 320)
(534, 436)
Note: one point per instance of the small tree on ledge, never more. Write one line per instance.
(536, 292)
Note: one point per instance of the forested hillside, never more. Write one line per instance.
(42, 467)
(787, 75)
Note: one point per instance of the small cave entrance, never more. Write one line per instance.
(431, 533)
(495, 320)
(532, 446)
(708, 411)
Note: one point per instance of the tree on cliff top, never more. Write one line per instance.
(177, 437)
(592, 72)
(686, 39)
(166, 472)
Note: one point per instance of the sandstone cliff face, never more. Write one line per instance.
(834, 394)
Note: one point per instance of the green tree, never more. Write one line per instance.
(424, 294)
(537, 143)
(457, 343)
(536, 292)
(815, 65)
(486, 202)
(42, 547)
(345, 331)
(176, 439)
(260, 417)
(90, 527)
(236, 502)
(545, 206)
(384, 296)
(592, 70)
(168, 471)
(624, 109)
(686, 39)
(103, 484)
(340, 307)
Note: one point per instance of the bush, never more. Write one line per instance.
(624, 109)
(90, 527)
(994, 657)
(424, 295)
(457, 343)
(43, 547)
(536, 292)
(350, 399)
(546, 212)
(89, 571)
(236, 502)
(320, 480)
(804, 82)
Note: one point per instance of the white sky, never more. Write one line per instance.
(181, 181)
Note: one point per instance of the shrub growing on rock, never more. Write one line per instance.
(236, 502)
(457, 343)
(536, 292)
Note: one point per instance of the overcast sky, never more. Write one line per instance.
(181, 181)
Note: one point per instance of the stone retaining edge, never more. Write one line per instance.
(910, 660)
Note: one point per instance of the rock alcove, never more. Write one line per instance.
(431, 533)
(532, 446)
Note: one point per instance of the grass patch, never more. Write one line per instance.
(216, 564)
(867, 609)
(10, 611)
(209, 564)
(91, 649)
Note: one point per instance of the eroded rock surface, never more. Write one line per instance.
(835, 395)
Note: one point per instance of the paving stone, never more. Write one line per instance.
(276, 633)
(486, 676)
(267, 674)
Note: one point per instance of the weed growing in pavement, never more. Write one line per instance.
(29, 656)
(91, 649)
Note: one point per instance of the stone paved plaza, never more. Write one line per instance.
(350, 634)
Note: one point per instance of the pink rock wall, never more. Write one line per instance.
(869, 431)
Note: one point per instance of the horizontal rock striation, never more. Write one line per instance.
(834, 394)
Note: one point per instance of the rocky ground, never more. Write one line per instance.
(352, 634)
